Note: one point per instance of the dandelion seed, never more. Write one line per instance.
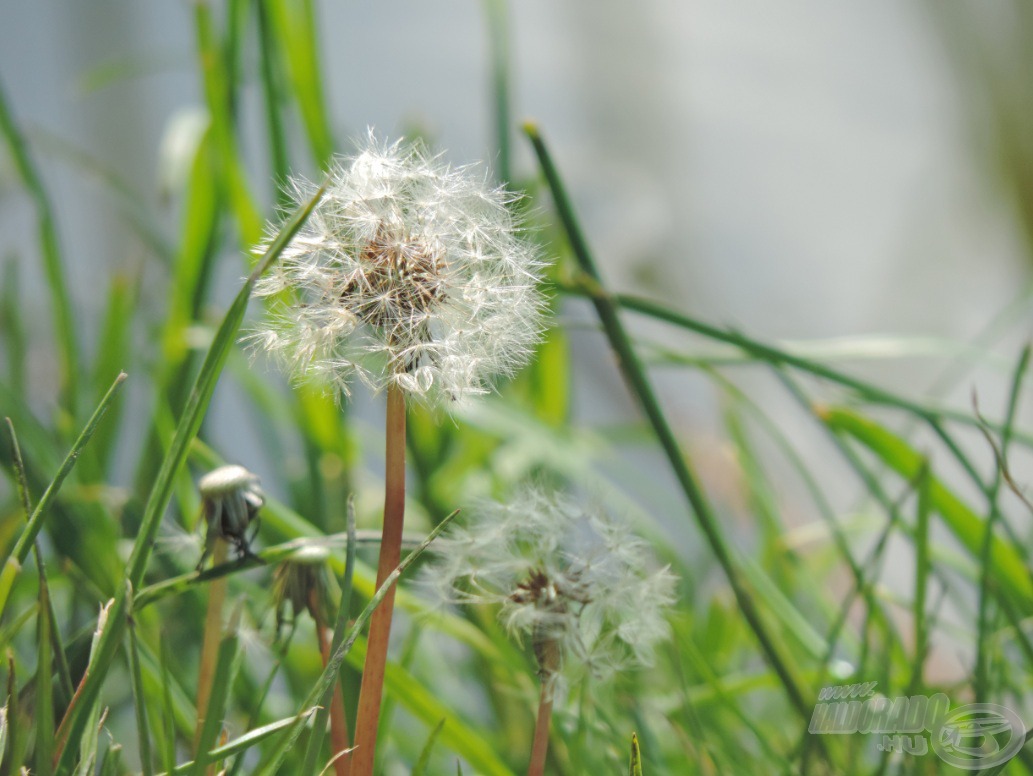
(408, 272)
(576, 583)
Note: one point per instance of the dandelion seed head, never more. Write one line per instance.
(408, 272)
(577, 583)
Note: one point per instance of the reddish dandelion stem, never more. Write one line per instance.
(371, 693)
(540, 745)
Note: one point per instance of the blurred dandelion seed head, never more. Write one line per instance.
(408, 272)
(585, 591)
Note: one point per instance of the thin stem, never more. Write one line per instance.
(540, 745)
(212, 637)
(371, 693)
(338, 720)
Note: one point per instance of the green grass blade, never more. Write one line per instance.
(168, 714)
(237, 745)
(200, 397)
(60, 299)
(922, 566)
(35, 523)
(44, 713)
(1008, 566)
(18, 722)
(774, 356)
(222, 680)
(640, 386)
(114, 354)
(272, 89)
(65, 679)
(139, 695)
(111, 765)
(161, 492)
(294, 25)
(635, 768)
(422, 704)
(218, 95)
(13, 327)
(419, 768)
(90, 740)
(980, 681)
(315, 740)
(498, 43)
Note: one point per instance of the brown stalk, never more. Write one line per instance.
(361, 760)
(210, 644)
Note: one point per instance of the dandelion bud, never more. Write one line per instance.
(577, 583)
(230, 500)
(408, 272)
(301, 581)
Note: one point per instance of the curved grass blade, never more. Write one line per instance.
(60, 299)
(161, 492)
(420, 767)
(238, 745)
(640, 386)
(35, 523)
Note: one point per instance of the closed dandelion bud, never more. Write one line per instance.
(301, 581)
(230, 500)
(409, 273)
(576, 583)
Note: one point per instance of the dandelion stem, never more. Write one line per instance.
(370, 694)
(210, 644)
(540, 745)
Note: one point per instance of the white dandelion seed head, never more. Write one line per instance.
(408, 272)
(569, 579)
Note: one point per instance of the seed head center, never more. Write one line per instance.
(397, 285)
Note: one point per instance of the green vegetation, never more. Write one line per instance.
(102, 629)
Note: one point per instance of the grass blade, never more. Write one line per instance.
(13, 328)
(295, 26)
(498, 40)
(161, 492)
(29, 533)
(60, 299)
(215, 711)
(315, 741)
(1009, 569)
(642, 389)
(420, 766)
(139, 695)
(44, 713)
(636, 757)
